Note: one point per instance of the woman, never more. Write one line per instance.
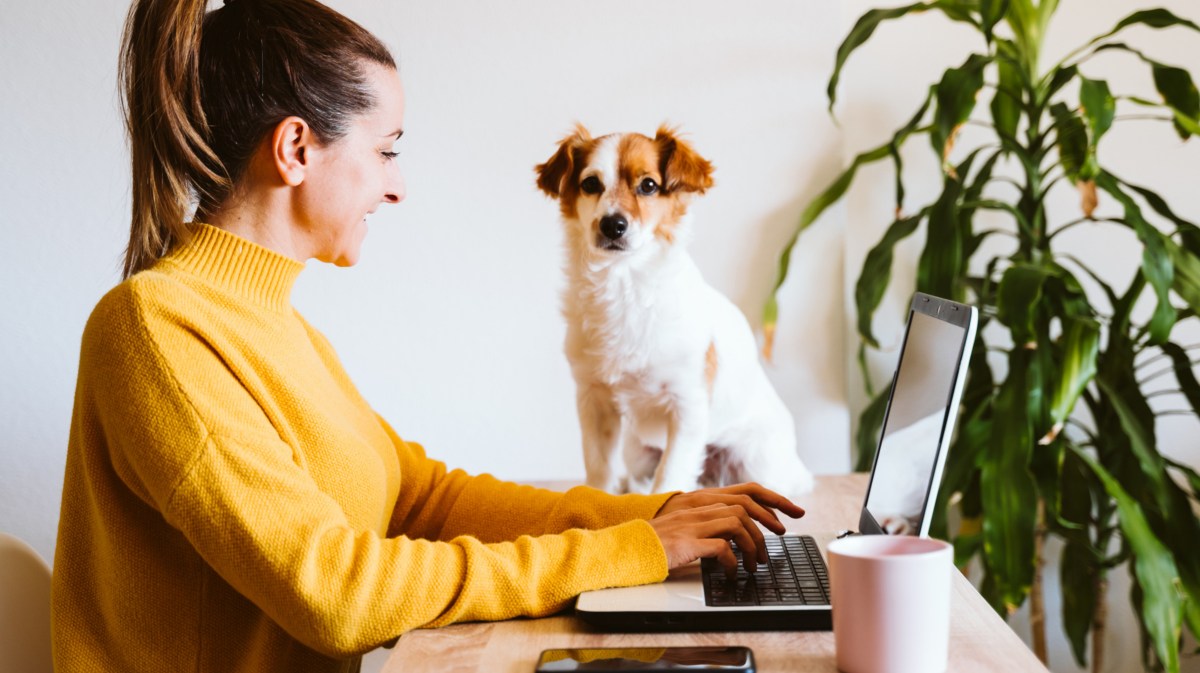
(231, 503)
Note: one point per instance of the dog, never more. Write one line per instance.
(666, 368)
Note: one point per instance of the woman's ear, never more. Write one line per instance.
(291, 145)
(682, 167)
(551, 174)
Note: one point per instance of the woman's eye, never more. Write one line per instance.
(647, 187)
(390, 155)
(591, 185)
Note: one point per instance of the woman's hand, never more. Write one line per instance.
(700, 524)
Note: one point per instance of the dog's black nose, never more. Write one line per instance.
(613, 226)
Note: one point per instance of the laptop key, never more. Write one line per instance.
(793, 575)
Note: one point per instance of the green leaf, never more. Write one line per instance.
(1123, 312)
(960, 10)
(1137, 422)
(861, 32)
(1021, 15)
(942, 265)
(1080, 347)
(869, 426)
(1067, 297)
(1191, 616)
(1186, 281)
(1099, 108)
(1154, 568)
(1166, 504)
(1075, 502)
(1176, 87)
(1184, 374)
(1017, 298)
(1077, 574)
(969, 443)
(991, 11)
(1108, 291)
(1008, 490)
(877, 272)
(1179, 92)
(1055, 80)
(1154, 18)
(1189, 233)
(1007, 103)
(1192, 126)
(1072, 141)
(966, 546)
(1193, 478)
(1157, 265)
(956, 94)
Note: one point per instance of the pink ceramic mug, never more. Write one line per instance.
(891, 603)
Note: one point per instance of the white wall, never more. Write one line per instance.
(450, 322)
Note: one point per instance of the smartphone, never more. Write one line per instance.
(648, 659)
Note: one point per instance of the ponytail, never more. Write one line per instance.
(201, 89)
(159, 75)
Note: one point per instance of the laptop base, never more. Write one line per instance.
(709, 620)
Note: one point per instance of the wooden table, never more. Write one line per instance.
(979, 640)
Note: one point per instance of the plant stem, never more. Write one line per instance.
(1068, 225)
(1037, 605)
(1099, 621)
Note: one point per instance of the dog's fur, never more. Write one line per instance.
(666, 367)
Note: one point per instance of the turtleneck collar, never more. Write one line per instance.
(235, 264)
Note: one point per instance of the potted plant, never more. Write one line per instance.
(1061, 441)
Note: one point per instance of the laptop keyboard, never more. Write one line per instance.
(793, 575)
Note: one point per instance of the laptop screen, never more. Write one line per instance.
(919, 417)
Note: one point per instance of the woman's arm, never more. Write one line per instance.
(440, 505)
(262, 525)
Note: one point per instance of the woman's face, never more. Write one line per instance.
(351, 177)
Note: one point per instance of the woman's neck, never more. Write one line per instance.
(263, 218)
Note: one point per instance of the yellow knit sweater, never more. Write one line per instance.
(232, 503)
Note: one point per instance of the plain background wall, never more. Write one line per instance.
(450, 323)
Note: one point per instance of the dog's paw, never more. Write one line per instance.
(609, 484)
(637, 485)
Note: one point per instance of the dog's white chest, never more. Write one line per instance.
(635, 336)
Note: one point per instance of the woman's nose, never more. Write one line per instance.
(396, 189)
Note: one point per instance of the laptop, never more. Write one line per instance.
(791, 592)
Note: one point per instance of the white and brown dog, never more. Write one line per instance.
(666, 367)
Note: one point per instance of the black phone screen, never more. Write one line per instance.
(647, 659)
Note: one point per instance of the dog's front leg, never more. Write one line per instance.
(683, 458)
(600, 427)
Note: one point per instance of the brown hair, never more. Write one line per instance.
(201, 89)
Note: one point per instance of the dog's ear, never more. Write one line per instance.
(682, 168)
(551, 174)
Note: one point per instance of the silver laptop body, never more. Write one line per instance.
(917, 429)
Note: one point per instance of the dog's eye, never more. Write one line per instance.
(591, 185)
(647, 187)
